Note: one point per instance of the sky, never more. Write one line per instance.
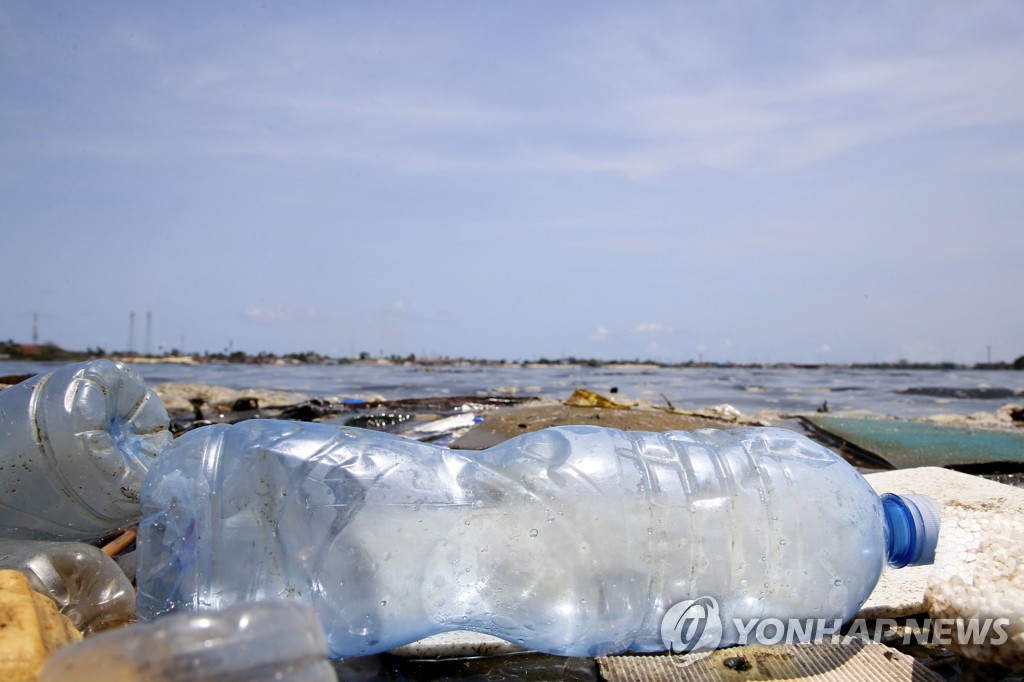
(726, 181)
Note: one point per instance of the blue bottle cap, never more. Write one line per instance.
(911, 529)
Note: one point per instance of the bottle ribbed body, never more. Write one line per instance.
(572, 540)
(75, 445)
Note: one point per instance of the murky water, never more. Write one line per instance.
(903, 393)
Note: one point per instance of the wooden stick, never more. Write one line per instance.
(119, 544)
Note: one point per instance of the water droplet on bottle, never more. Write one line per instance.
(782, 542)
(534, 532)
(838, 582)
(650, 531)
(383, 603)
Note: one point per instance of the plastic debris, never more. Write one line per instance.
(551, 540)
(581, 397)
(722, 412)
(86, 584)
(249, 642)
(75, 445)
(447, 428)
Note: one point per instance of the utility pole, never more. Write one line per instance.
(131, 331)
(148, 348)
(35, 329)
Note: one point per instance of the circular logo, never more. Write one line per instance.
(692, 626)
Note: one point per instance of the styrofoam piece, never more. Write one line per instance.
(854, 659)
(455, 644)
(964, 500)
(996, 591)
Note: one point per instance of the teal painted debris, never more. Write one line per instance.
(903, 444)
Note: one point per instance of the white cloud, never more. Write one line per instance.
(401, 311)
(650, 328)
(270, 315)
(794, 121)
(263, 314)
(600, 334)
(686, 94)
(659, 90)
(924, 351)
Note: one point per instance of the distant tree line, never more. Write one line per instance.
(11, 350)
(43, 352)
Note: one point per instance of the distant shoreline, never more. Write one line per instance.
(12, 351)
(59, 355)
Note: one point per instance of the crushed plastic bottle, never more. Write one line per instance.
(86, 584)
(569, 540)
(252, 642)
(75, 445)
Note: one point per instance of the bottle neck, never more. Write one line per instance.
(911, 529)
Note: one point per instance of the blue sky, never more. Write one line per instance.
(746, 181)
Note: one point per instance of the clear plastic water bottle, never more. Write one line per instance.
(75, 445)
(570, 540)
(259, 642)
(86, 584)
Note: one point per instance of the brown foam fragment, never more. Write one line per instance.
(31, 628)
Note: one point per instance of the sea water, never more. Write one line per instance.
(904, 393)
